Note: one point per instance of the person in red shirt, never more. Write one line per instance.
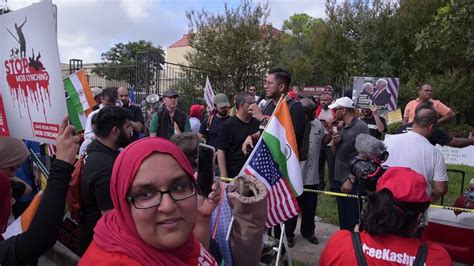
(386, 232)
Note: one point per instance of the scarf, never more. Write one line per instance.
(13, 152)
(5, 202)
(115, 231)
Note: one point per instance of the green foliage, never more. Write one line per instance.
(234, 46)
(294, 49)
(119, 59)
(393, 128)
(419, 41)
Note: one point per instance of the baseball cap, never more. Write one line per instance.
(196, 110)
(170, 93)
(96, 91)
(221, 100)
(345, 102)
(405, 184)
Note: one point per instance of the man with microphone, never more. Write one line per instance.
(344, 149)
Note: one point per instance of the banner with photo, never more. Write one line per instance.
(32, 99)
(380, 91)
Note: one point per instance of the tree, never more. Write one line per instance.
(120, 61)
(294, 49)
(233, 46)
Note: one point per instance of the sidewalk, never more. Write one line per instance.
(307, 253)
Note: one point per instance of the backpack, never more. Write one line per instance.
(304, 149)
(73, 198)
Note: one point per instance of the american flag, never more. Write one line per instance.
(282, 204)
(393, 87)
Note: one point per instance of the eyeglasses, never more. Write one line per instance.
(151, 198)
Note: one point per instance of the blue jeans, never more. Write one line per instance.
(347, 208)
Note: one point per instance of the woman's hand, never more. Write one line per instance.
(207, 205)
(67, 144)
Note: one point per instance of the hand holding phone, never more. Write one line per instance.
(206, 169)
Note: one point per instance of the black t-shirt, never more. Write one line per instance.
(233, 134)
(374, 132)
(438, 136)
(95, 189)
(212, 135)
(137, 117)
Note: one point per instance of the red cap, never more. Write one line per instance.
(405, 184)
(196, 110)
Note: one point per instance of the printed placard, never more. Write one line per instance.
(32, 99)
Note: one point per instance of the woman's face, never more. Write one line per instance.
(168, 225)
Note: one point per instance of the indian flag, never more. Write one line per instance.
(274, 161)
(80, 99)
(22, 223)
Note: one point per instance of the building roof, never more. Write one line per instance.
(184, 41)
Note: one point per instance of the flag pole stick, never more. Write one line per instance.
(280, 245)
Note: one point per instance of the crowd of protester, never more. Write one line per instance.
(139, 204)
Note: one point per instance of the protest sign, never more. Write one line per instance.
(463, 156)
(366, 92)
(394, 116)
(32, 99)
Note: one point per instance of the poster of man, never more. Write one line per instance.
(32, 100)
(380, 91)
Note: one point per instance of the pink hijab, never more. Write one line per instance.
(115, 231)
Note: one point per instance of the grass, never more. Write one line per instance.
(327, 208)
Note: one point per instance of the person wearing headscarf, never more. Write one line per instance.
(155, 210)
(13, 153)
(42, 233)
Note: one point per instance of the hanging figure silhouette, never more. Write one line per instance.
(21, 38)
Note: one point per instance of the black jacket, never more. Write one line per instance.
(44, 229)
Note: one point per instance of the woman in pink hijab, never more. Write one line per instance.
(155, 210)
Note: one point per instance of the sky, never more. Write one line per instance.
(87, 28)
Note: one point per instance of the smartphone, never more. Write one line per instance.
(334, 129)
(206, 168)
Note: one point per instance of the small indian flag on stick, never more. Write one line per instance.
(80, 98)
(22, 223)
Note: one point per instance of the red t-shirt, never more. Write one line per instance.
(380, 250)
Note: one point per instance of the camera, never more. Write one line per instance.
(367, 165)
(367, 172)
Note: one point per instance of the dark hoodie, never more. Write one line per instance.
(95, 189)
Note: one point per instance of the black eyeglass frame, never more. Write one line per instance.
(131, 198)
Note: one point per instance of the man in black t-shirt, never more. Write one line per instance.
(138, 121)
(112, 126)
(277, 83)
(211, 126)
(374, 121)
(233, 133)
(438, 136)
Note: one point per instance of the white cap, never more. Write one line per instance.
(96, 91)
(345, 102)
(471, 182)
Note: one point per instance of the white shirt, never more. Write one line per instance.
(326, 115)
(195, 124)
(415, 151)
(89, 134)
